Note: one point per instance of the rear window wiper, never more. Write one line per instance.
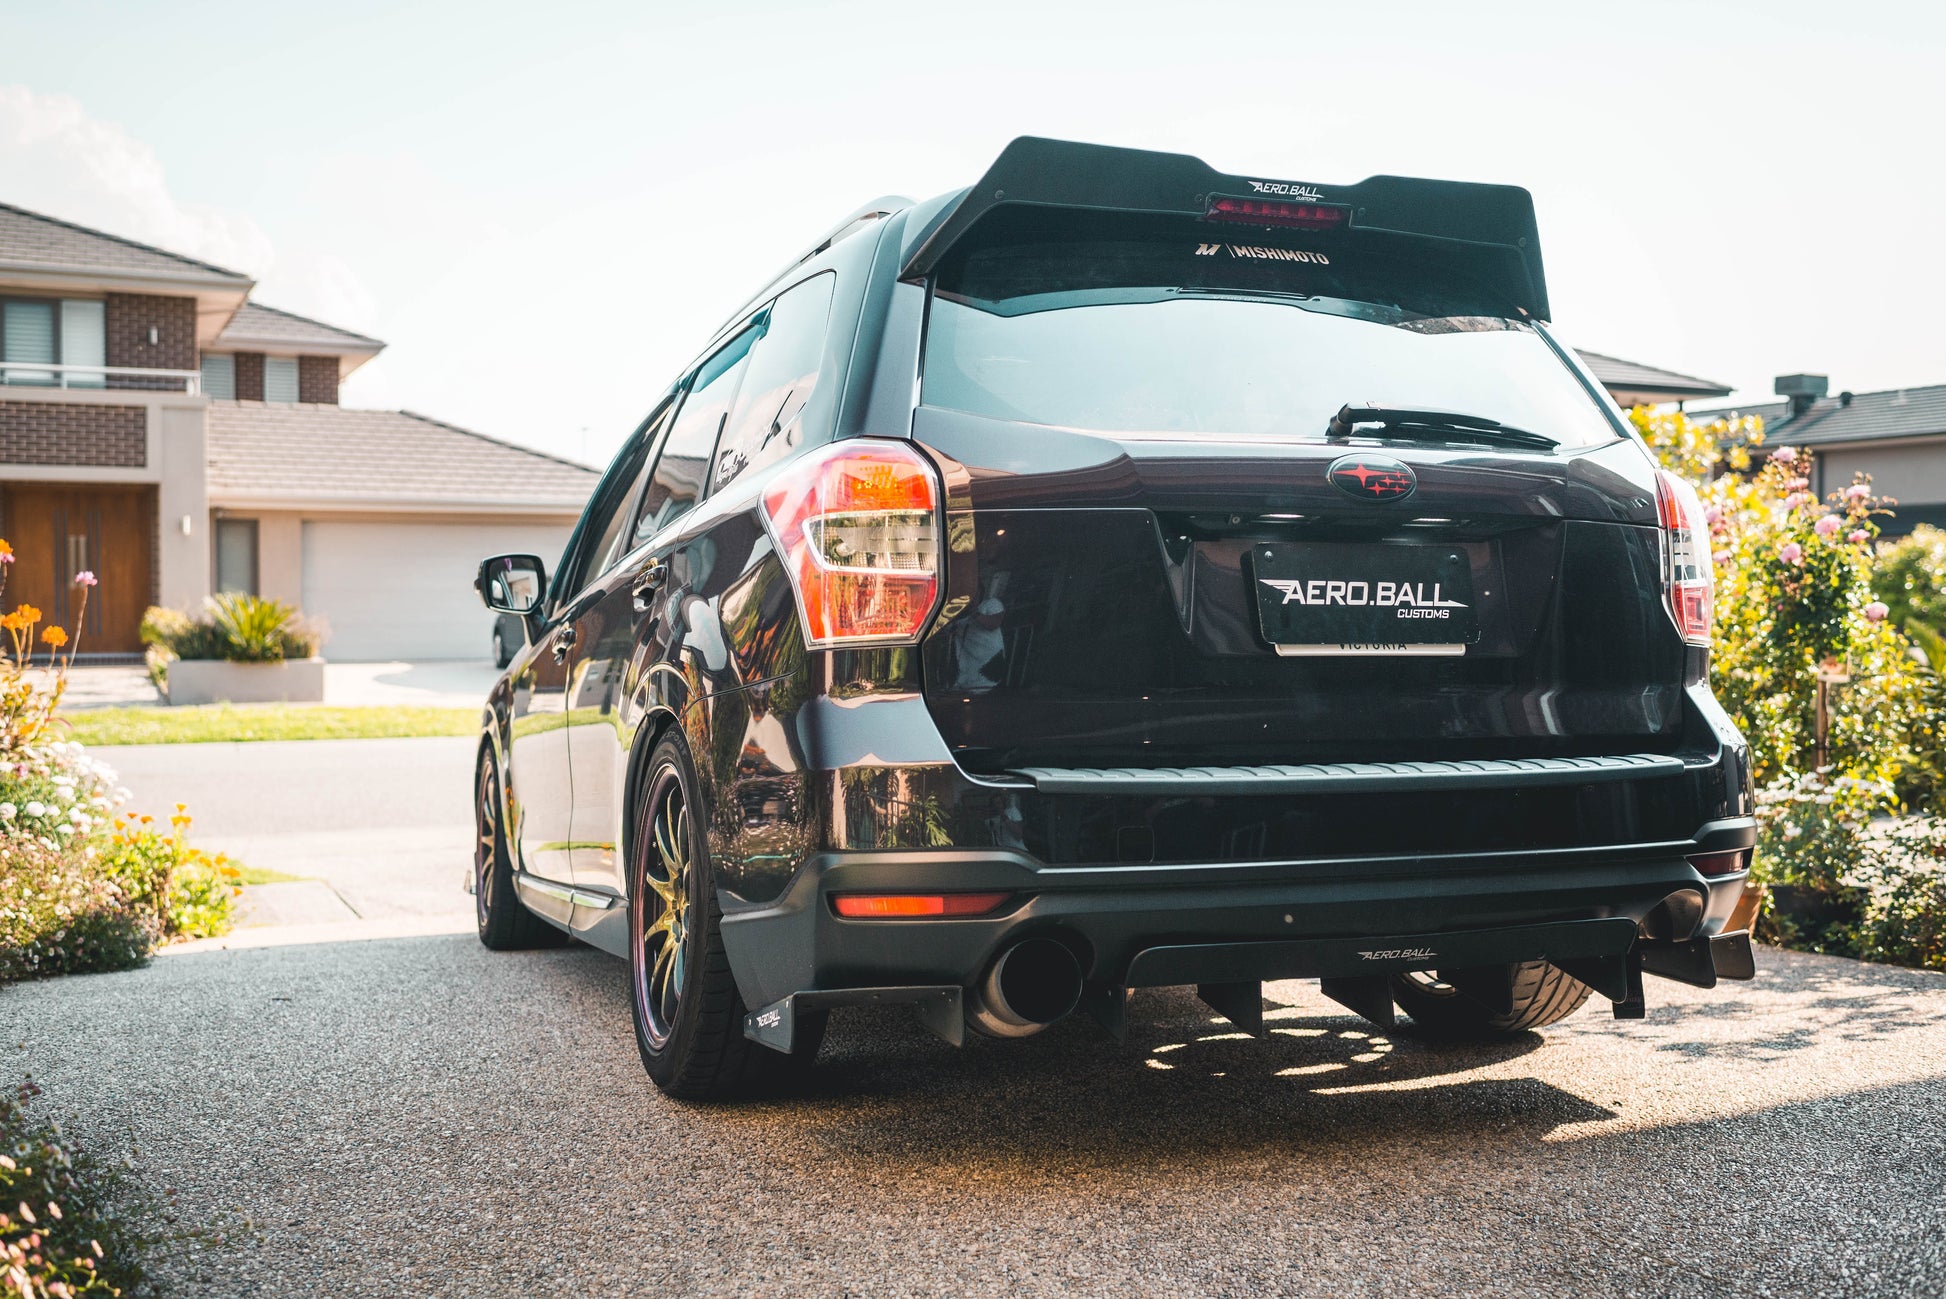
(1448, 425)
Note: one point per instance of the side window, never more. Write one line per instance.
(683, 467)
(598, 541)
(784, 366)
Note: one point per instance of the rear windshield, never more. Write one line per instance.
(1230, 331)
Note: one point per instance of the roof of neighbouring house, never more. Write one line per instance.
(383, 459)
(1647, 381)
(1866, 417)
(256, 324)
(31, 240)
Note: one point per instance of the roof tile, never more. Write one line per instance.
(383, 457)
(1868, 417)
(31, 239)
(256, 323)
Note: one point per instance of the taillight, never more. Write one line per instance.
(1722, 863)
(1266, 212)
(890, 906)
(857, 527)
(1688, 578)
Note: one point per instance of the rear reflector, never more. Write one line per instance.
(877, 906)
(1262, 212)
(1688, 572)
(1722, 863)
(857, 528)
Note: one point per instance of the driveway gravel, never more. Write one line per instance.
(420, 1116)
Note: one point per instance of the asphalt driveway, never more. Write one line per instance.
(419, 1116)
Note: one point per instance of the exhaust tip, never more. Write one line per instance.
(1029, 986)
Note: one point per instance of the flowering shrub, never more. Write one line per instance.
(1799, 582)
(190, 892)
(1904, 918)
(59, 914)
(68, 1225)
(79, 889)
(1912, 580)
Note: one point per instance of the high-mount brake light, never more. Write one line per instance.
(1265, 212)
(857, 527)
(1688, 572)
(893, 906)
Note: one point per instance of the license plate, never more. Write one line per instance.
(1369, 600)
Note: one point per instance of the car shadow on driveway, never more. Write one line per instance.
(1185, 1087)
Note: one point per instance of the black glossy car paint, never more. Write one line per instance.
(1096, 613)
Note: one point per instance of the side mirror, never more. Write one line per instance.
(513, 584)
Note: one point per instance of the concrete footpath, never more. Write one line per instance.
(381, 830)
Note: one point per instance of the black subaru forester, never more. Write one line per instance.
(1120, 574)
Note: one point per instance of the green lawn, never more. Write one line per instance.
(263, 875)
(213, 723)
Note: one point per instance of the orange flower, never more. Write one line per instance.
(5, 549)
(55, 636)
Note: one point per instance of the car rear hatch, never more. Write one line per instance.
(1258, 493)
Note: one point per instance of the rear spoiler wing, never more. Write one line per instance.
(1495, 221)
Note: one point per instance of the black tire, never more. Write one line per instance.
(505, 923)
(501, 654)
(1543, 995)
(688, 1015)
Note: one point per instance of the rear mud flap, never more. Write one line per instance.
(940, 1008)
(1700, 962)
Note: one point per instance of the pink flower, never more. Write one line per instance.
(1714, 514)
(1782, 455)
(1721, 557)
(1876, 611)
(1791, 553)
(1828, 526)
(6, 557)
(84, 578)
(1798, 484)
(1796, 499)
(1859, 537)
(1858, 491)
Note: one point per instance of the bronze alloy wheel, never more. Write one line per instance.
(659, 918)
(486, 849)
(505, 922)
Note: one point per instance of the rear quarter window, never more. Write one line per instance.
(764, 426)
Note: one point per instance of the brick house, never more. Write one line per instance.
(159, 427)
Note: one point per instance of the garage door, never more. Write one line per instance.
(405, 590)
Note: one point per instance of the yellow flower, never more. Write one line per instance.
(55, 636)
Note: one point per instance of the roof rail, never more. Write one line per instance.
(876, 210)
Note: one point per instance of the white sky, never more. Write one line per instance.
(545, 209)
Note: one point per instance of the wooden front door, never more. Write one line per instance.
(58, 530)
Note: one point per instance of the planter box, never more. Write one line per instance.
(209, 681)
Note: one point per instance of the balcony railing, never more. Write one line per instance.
(96, 378)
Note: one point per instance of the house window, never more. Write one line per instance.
(219, 376)
(27, 334)
(280, 378)
(84, 341)
(236, 556)
(52, 333)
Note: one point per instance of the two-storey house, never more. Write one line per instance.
(160, 428)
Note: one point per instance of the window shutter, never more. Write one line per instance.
(219, 376)
(84, 341)
(280, 378)
(27, 334)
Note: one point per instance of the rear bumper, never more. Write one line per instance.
(1218, 922)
